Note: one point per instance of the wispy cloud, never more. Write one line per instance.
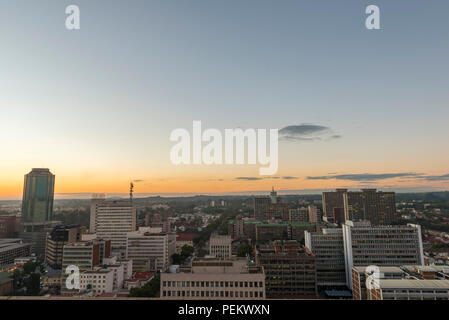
(371, 177)
(365, 176)
(266, 178)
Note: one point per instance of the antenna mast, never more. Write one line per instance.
(131, 189)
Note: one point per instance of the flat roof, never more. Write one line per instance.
(406, 283)
(383, 269)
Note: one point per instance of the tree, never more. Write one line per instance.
(244, 250)
(149, 290)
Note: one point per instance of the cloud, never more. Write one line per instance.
(248, 178)
(443, 177)
(138, 180)
(265, 178)
(307, 132)
(366, 176)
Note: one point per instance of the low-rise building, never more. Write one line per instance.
(212, 278)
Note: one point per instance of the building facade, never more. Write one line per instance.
(215, 279)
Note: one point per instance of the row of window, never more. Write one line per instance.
(216, 294)
(222, 284)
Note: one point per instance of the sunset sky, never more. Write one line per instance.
(97, 105)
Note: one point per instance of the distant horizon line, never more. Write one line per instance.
(299, 192)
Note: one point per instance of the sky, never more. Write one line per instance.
(356, 107)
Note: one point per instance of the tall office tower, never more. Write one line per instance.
(332, 202)
(261, 205)
(290, 270)
(148, 250)
(211, 278)
(327, 246)
(220, 246)
(38, 193)
(366, 245)
(60, 236)
(377, 207)
(112, 220)
(314, 214)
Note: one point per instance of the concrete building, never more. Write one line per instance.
(85, 255)
(298, 215)
(35, 233)
(97, 281)
(112, 220)
(361, 244)
(10, 249)
(261, 205)
(375, 206)
(266, 232)
(404, 289)
(314, 214)
(220, 246)
(236, 228)
(215, 279)
(184, 239)
(148, 251)
(366, 245)
(9, 226)
(332, 204)
(57, 238)
(328, 248)
(290, 270)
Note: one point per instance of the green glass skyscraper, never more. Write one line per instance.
(38, 194)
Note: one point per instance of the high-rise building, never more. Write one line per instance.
(57, 238)
(211, 278)
(362, 244)
(375, 206)
(112, 220)
(261, 205)
(381, 245)
(290, 270)
(332, 202)
(38, 193)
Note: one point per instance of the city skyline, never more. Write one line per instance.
(97, 105)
